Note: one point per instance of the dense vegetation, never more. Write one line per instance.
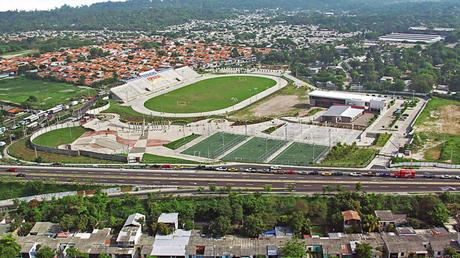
(343, 155)
(247, 215)
(10, 189)
(150, 15)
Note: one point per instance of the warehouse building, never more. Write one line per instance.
(411, 38)
(341, 114)
(327, 99)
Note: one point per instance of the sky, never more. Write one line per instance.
(28, 5)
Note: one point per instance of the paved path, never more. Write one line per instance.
(139, 104)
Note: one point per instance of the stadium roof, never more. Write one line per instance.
(407, 37)
(343, 96)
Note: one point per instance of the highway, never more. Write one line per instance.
(254, 181)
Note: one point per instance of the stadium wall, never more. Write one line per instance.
(73, 153)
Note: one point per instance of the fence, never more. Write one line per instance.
(98, 110)
(67, 152)
(425, 164)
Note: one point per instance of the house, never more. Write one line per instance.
(45, 229)
(351, 220)
(174, 244)
(132, 230)
(387, 217)
(396, 246)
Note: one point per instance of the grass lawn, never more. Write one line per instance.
(255, 150)
(314, 111)
(348, 156)
(382, 139)
(211, 94)
(48, 94)
(181, 142)
(438, 143)
(60, 136)
(20, 150)
(12, 188)
(215, 145)
(299, 154)
(155, 159)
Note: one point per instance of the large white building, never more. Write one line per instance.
(327, 99)
(411, 38)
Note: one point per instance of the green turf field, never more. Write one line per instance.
(155, 159)
(48, 94)
(181, 142)
(215, 145)
(255, 150)
(299, 154)
(211, 94)
(60, 136)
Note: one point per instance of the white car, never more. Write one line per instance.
(221, 169)
(446, 177)
(355, 174)
(275, 168)
(457, 177)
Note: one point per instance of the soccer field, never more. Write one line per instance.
(215, 145)
(48, 94)
(299, 154)
(211, 94)
(255, 150)
(60, 136)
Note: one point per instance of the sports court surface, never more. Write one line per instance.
(215, 145)
(255, 150)
(299, 154)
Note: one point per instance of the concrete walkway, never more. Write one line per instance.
(139, 104)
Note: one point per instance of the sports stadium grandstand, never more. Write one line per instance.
(151, 82)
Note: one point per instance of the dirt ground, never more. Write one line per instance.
(277, 105)
(447, 120)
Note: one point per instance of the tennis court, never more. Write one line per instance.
(300, 154)
(215, 145)
(256, 150)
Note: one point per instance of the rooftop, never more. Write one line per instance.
(388, 215)
(343, 111)
(343, 95)
(168, 218)
(350, 215)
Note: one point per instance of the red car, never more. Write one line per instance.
(11, 170)
(167, 166)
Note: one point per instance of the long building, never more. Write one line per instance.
(411, 38)
(333, 98)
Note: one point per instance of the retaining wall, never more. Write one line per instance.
(98, 110)
(73, 153)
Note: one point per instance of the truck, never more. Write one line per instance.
(405, 173)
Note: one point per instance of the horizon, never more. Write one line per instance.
(44, 5)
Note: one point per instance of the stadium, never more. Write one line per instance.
(183, 92)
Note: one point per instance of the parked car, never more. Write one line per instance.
(428, 175)
(355, 174)
(275, 168)
(11, 170)
(313, 173)
(326, 173)
(221, 169)
(232, 169)
(446, 177)
(21, 175)
(337, 173)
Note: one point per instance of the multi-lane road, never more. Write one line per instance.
(254, 181)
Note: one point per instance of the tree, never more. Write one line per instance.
(358, 187)
(75, 253)
(221, 226)
(253, 226)
(164, 229)
(9, 247)
(45, 252)
(422, 82)
(105, 256)
(451, 252)
(363, 250)
(370, 223)
(293, 249)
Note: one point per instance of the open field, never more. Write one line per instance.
(48, 94)
(437, 137)
(21, 150)
(155, 159)
(215, 145)
(348, 156)
(60, 136)
(299, 154)
(211, 94)
(286, 102)
(255, 150)
(181, 142)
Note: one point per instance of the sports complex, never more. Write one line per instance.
(207, 102)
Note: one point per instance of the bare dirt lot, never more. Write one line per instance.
(277, 105)
(446, 120)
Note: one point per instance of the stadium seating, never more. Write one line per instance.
(150, 82)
